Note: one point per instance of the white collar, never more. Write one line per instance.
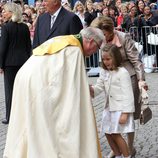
(56, 13)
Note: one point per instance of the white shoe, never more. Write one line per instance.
(111, 154)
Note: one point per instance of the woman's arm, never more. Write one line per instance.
(133, 56)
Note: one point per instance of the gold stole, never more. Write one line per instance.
(56, 44)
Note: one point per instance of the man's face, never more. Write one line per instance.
(90, 46)
(25, 18)
(50, 5)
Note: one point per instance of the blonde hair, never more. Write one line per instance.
(16, 11)
(76, 5)
(88, 1)
(103, 23)
(123, 6)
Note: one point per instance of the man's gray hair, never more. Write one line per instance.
(94, 33)
(16, 11)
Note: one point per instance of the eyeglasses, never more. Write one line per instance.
(96, 43)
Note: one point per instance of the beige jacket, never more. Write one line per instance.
(130, 55)
(118, 89)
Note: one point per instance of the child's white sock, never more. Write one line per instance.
(118, 156)
(127, 156)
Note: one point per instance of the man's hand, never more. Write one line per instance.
(123, 118)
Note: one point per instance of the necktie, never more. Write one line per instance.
(52, 21)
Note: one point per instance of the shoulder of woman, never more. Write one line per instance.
(120, 34)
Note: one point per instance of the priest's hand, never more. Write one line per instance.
(1, 71)
(91, 91)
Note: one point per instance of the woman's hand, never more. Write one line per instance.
(123, 118)
(143, 84)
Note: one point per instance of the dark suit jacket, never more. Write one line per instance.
(66, 23)
(15, 44)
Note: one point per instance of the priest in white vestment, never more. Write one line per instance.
(52, 115)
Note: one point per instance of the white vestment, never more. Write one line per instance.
(52, 115)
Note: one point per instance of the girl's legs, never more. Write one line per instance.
(121, 143)
(113, 145)
(130, 137)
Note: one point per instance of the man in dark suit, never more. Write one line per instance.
(64, 22)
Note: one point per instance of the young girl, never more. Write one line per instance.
(118, 113)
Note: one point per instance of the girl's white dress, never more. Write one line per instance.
(119, 98)
(110, 122)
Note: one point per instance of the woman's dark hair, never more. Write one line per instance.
(133, 7)
(115, 53)
(138, 2)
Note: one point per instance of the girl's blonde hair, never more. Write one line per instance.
(115, 53)
(16, 11)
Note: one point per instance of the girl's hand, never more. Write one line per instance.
(123, 118)
(91, 91)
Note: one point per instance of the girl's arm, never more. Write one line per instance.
(100, 85)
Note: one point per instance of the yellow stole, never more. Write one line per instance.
(56, 44)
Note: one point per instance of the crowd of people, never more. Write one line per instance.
(47, 92)
(124, 14)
